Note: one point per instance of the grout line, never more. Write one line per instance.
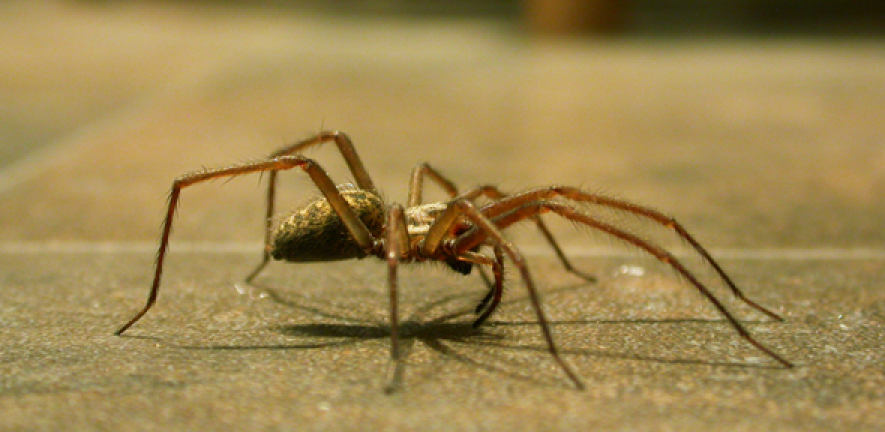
(761, 254)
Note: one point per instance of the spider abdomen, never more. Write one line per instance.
(316, 233)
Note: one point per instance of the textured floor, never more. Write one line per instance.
(772, 152)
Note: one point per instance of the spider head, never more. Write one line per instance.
(462, 267)
(458, 266)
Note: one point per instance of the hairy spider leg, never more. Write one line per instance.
(495, 293)
(496, 289)
(490, 302)
(416, 189)
(348, 152)
(522, 211)
(416, 184)
(436, 245)
(354, 225)
(577, 195)
(397, 245)
(494, 193)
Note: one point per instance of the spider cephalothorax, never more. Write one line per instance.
(353, 221)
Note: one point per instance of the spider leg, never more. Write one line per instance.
(353, 223)
(416, 189)
(416, 198)
(492, 300)
(530, 209)
(397, 244)
(345, 146)
(494, 193)
(577, 195)
(435, 246)
(416, 184)
(348, 152)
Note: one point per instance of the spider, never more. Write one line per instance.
(353, 222)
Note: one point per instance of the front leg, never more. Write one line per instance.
(490, 302)
(490, 211)
(437, 246)
(416, 190)
(573, 214)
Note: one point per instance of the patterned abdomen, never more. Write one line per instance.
(316, 233)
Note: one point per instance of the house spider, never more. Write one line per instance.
(354, 222)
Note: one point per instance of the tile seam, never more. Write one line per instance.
(761, 254)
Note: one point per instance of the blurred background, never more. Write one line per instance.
(758, 122)
(625, 17)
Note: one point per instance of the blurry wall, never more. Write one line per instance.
(826, 17)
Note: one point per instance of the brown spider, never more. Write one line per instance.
(354, 222)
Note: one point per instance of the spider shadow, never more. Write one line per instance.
(444, 333)
(631, 356)
(439, 334)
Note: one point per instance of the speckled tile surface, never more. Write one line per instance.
(771, 152)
